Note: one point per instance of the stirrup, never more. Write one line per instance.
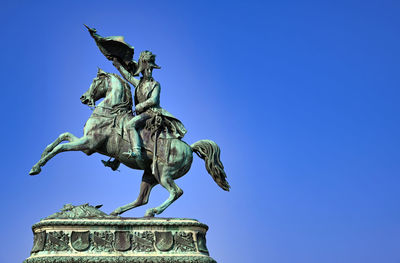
(112, 164)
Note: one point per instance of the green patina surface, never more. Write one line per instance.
(155, 259)
(84, 233)
(135, 131)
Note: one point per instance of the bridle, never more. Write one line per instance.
(116, 108)
(94, 90)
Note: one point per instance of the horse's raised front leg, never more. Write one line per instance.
(66, 136)
(82, 144)
(148, 182)
(174, 192)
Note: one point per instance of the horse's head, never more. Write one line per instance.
(97, 89)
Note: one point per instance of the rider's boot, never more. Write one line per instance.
(136, 147)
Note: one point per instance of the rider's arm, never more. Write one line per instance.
(128, 76)
(154, 100)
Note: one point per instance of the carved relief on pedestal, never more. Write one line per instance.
(39, 241)
(102, 241)
(57, 241)
(164, 241)
(80, 240)
(201, 242)
(143, 241)
(119, 241)
(122, 240)
(184, 242)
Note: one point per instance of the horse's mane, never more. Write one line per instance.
(128, 103)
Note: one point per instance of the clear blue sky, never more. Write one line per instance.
(301, 96)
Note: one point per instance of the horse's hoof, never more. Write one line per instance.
(35, 170)
(116, 212)
(149, 213)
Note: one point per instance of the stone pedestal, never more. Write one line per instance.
(87, 238)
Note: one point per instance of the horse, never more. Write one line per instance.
(163, 161)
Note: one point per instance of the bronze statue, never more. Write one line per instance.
(148, 138)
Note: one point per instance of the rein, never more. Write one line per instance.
(113, 113)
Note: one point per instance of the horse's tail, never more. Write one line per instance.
(210, 153)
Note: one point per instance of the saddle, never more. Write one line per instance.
(156, 135)
(156, 128)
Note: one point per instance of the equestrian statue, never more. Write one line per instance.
(147, 138)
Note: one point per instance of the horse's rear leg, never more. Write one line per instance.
(82, 144)
(174, 191)
(66, 136)
(148, 182)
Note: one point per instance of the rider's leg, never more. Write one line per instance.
(134, 137)
(133, 126)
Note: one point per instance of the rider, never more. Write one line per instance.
(147, 101)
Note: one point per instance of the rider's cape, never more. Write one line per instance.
(167, 125)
